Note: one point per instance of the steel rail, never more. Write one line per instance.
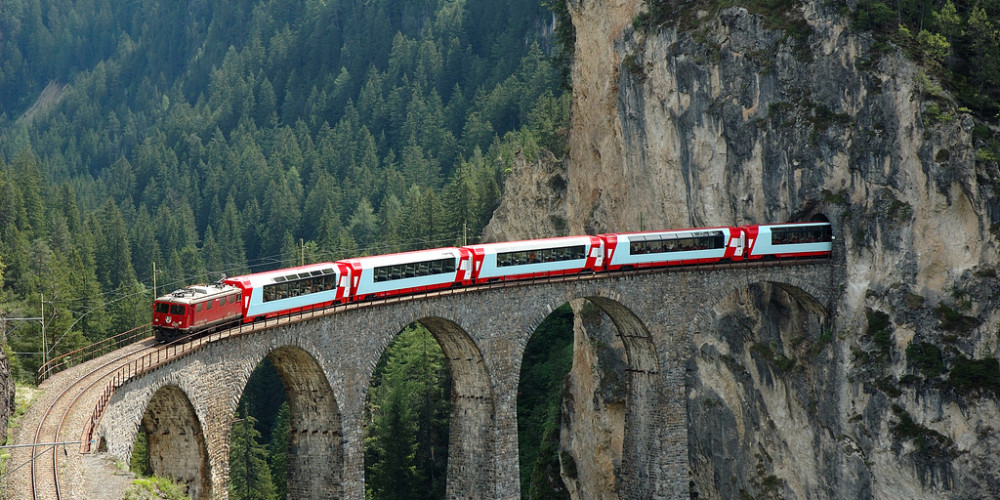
(45, 419)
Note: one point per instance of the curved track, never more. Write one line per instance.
(72, 400)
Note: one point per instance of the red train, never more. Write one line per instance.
(273, 293)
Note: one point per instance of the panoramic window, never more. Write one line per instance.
(708, 240)
(541, 255)
(300, 284)
(413, 269)
(799, 235)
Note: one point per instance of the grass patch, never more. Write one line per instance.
(155, 488)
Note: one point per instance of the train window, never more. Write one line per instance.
(178, 309)
(162, 308)
(664, 244)
(576, 252)
(208, 305)
(799, 235)
(414, 269)
(198, 308)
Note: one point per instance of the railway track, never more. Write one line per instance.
(50, 433)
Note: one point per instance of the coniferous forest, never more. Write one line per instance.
(217, 138)
(204, 138)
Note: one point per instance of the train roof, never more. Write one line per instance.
(405, 257)
(796, 224)
(514, 246)
(287, 274)
(196, 293)
(672, 233)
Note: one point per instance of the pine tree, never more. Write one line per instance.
(364, 224)
(249, 474)
(407, 445)
(114, 254)
(278, 460)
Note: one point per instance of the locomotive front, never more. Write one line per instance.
(171, 316)
(195, 308)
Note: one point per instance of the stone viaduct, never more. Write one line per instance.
(326, 363)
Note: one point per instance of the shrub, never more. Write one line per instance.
(925, 358)
(968, 375)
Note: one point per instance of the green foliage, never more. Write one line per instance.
(548, 358)
(249, 474)
(958, 43)
(926, 358)
(879, 328)
(155, 488)
(139, 462)
(773, 354)
(278, 449)
(409, 407)
(224, 138)
(953, 320)
(968, 375)
(928, 442)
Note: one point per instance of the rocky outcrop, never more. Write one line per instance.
(730, 117)
(6, 393)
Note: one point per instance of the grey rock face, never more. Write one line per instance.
(723, 118)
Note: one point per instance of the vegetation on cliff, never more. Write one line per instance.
(958, 43)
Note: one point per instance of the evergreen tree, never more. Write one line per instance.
(249, 474)
(278, 448)
(406, 446)
(114, 255)
(364, 224)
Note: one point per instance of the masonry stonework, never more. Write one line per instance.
(326, 364)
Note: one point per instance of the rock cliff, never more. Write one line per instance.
(727, 117)
(6, 393)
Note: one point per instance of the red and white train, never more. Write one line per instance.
(284, 291)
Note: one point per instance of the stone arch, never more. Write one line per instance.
(643, 386)
(744, 345)
(176, 442)
(641, 353)
(473, 403)
(803, 293)
(316, 465)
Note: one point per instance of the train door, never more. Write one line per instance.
(740, 244)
